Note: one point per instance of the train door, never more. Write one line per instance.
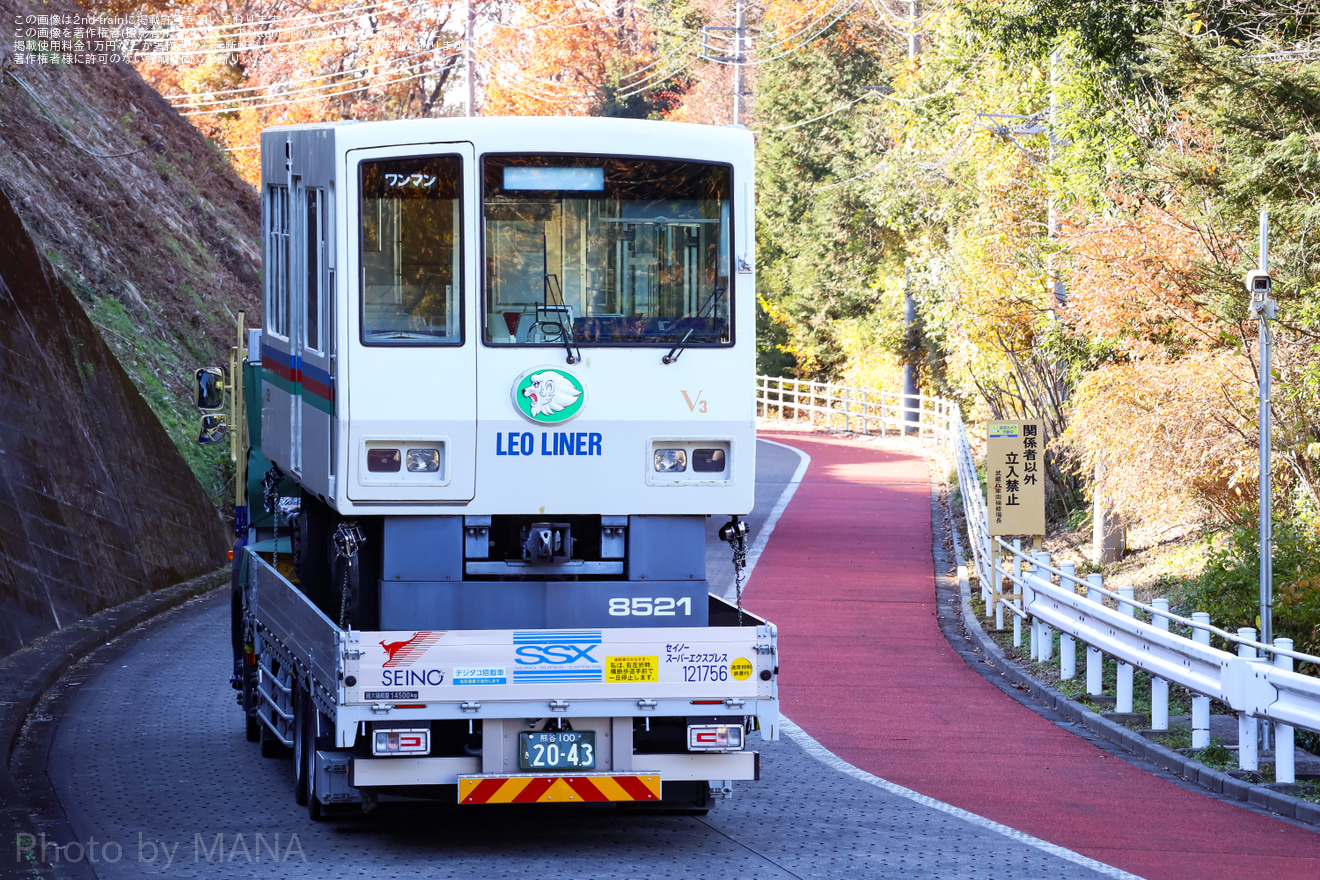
(314, 408)
(280, 373)
(412, 370)
(296, 318)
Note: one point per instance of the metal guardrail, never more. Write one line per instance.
(841, 407)
(1257, 681)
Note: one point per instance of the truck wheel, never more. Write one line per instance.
(270, 746)
(307, 730)
(301, 704)
(251, 724)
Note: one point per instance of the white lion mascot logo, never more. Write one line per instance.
(550, 393)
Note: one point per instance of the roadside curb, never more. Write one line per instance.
(1212, 780)
(29, 673)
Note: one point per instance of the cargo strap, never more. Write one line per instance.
(270, 493)
(735, 533)
(347, 539)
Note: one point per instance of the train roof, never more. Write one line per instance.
(530, 133)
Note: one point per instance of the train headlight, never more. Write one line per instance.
(670, 461)
(423, 461)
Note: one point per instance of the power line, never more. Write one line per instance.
(356, 87)
(267, 94)
(659, 77)
(262, 47)
(533, 87)
(211, 96)
(262, 22)
(833, 112)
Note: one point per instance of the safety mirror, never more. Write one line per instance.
(213, 430)
(210, 390)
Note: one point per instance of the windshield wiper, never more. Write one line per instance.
(678, 347)
(562, 320)
(707, 310)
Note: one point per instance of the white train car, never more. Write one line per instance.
(508, 363)
(480, 329)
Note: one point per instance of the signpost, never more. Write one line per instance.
(1015, 477)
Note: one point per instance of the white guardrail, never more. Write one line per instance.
(1257, 681)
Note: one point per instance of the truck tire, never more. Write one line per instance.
(301, 703)
(251, 724)
(270, 746)
(307, 733)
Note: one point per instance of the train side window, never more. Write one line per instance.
(315, 268)
(411, 246)
(277, 261)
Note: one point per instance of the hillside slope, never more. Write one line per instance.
(139, 214)
(113, 209)
(96, 505)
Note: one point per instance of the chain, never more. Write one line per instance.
(270, 486)
(735, 533)
(347, 539)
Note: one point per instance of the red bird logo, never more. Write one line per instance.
(406, 652)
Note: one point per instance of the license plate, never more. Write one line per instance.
(557, 750)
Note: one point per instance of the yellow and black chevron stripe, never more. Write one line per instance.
(591, 788)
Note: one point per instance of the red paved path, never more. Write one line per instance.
(848, 577)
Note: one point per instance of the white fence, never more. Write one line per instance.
(838, 407)
(1257, 681)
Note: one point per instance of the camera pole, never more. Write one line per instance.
(1265, 311)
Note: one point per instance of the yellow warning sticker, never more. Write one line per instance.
(741, 669)
(626, 670)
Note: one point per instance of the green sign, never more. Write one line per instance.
(548, 396)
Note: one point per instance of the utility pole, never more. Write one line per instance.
(1108, 539)
(469, 51)
(1056, 282)
(914, 36)
(739, 34)
(911, 405)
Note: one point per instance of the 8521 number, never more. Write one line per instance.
(643, 606)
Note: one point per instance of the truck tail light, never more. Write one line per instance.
(715, 738)
(401, 742)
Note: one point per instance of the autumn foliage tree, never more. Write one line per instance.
(556, 57)
(236, 68)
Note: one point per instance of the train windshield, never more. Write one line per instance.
(410, 240)
(598, 250)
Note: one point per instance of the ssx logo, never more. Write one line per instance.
(556, 656)
(534, 655)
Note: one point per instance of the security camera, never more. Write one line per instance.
(1261, 307)
(1259, 283)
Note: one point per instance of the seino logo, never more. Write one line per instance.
(397, 670)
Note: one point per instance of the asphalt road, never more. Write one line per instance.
(157, 779)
